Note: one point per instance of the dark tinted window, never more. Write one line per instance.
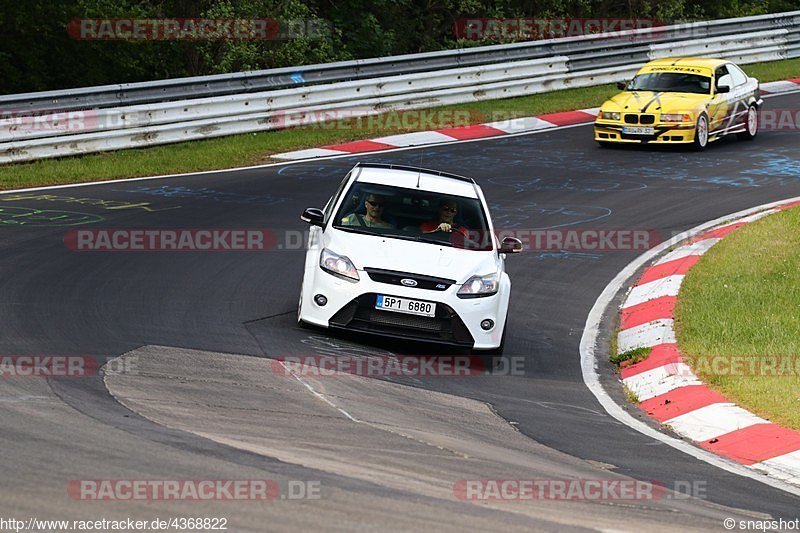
(413, 215)
(674, 82)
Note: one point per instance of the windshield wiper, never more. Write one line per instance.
(422, 238)
(350, 229)
(396, 236)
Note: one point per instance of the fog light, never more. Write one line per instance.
(320, 300)
(487, 324)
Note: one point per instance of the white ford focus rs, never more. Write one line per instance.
(407, 253)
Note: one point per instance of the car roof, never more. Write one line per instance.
(699, 62)
(415, 178)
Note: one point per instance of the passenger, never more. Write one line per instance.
(445, 222)
(374, 206)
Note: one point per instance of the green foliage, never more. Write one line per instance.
(36, 53)
(630, 357)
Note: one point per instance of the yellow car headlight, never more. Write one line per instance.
(675, 117)
(609, 115)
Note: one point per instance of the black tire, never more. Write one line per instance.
(605, 144)
(701, 133)
(751, 128)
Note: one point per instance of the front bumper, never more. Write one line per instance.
(351, 306)
(663, 133)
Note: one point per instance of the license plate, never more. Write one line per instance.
(404, 305)
(638, 130)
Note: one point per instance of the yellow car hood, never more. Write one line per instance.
(661, 102)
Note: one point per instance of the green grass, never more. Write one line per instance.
(739, 311)
(250, 149)
(630, 357)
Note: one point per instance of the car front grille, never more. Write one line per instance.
(360, 315)
(640, 119)
(420, 281)
(405, 320)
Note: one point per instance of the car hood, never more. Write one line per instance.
(659, 102)
(371, 251)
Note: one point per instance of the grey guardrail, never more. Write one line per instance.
(591, 60)
(583, 49)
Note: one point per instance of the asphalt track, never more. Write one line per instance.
(57, 301)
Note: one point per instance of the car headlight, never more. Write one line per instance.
(610, 115)
(675, 117)
(479, 286)
(338, 265)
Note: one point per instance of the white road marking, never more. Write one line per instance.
(319, 394)
(309, 153)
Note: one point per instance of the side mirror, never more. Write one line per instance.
(313, 216)
(621, 85)
(723, 89)
(510, 245)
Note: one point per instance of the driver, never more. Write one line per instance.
(374, 205)
(447, 212)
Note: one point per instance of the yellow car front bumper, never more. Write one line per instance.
(662, 133)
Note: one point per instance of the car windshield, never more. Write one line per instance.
(410, 214)
(673, 82)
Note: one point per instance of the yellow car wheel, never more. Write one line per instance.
(751, 125)
(701, 133)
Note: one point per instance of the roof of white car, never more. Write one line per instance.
(418, 179)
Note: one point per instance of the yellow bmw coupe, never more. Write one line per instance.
(685, 100)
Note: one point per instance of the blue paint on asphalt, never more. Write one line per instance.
(203, 193)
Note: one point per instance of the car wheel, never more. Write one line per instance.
(701, 133)
(605, 144)
(751, 125)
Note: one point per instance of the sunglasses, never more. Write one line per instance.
(448, 208)
(375, 204)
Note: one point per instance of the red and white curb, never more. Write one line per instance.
(666, 387)
(475, 131)
(478, 131)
